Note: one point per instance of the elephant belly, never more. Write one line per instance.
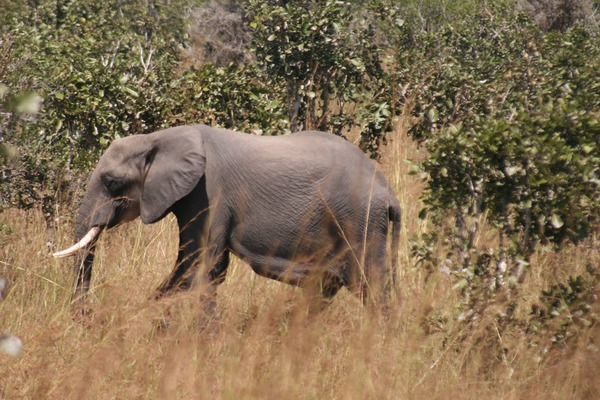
(291, 244)
(293, 267)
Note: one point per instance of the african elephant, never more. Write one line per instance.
(302, 208)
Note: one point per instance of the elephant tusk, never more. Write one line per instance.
(87, 239)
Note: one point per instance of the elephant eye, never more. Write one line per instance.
(114, 185)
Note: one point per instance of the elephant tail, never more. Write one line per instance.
(394, 215)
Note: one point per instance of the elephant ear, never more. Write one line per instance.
(174, 166)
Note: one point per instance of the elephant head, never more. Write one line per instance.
(141, 175)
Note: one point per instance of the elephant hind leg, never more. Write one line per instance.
(320, 292)
(368, 284)
(331, 284)
(375, 300)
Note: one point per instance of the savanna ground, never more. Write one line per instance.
(265, 347)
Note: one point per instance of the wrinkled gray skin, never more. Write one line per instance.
(308, 209)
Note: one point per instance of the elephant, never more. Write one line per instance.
(309, 209)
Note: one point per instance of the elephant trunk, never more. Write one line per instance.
(86, 234)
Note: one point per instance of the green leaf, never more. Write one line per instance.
(7, 151)
(415, 169)
(29, 104)
(510, 171)
(460, 284)
(433, 115)
(556, 221)
(131, 91)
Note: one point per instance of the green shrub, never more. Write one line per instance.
(325, 57)
(101, 71)
(229, 97)
(510, 118)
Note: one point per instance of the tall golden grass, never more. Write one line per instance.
(265, 346)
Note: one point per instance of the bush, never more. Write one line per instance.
(509, 116)
(325, 57)
(99, 70)
(229, 97)
(512, 133)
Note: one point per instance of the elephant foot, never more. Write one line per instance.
(162, 324)
(208, 321)
(172, 286)
(162, 292)
(209, 325)
(83, 315)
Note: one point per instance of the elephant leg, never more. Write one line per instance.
(191, 213)
(330, 285)
(188, 256)
(218, 272)
(367, 274)
(182, 276)
(379, 277)
(320, 288)
(371, 289)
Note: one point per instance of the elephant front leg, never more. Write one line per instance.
(182, 276)
(188, 255)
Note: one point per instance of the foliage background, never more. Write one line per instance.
(496, 106)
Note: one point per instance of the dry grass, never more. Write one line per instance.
(265, 347)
